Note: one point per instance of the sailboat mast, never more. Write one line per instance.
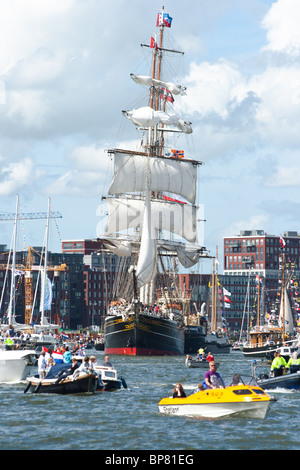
(44, 280)
(258, 304)
(12, 301)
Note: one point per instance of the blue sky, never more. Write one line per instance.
(64, 71)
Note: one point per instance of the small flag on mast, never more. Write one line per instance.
(153, 43)
(164, 19)
(166, 95)
(177, 153)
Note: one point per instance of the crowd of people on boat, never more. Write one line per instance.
(47, 360)
(165, 310)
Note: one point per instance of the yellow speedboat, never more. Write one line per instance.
(241, 400)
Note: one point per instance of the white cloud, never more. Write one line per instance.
(254, 222)
(211, 87)
(15, 176)
(282, 25)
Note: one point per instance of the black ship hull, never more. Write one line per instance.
(195, 338)
(144, 335)
(260, 351)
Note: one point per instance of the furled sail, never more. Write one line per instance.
(148, 81)
(46, 295)
(288, 316)
(146, 267)
(166, 174)
(118, 247)
(125, 213)
(148, 117)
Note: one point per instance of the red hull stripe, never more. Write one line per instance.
(139, 352)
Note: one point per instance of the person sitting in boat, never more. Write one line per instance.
(278, 365)
(210, 357)
(85, 366)
(200, 354)
(9, 343)
(75, 365)
(106, 362)
(187, 359)
(50, 364)
(212, 378)
(178, 391)
(293, 363)
(92, 362)
(236, 379)
(199, 388)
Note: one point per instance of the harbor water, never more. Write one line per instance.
(129, 419)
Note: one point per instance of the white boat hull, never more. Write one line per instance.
(245, 409)
(15, 365)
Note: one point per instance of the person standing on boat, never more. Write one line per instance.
(11, 331)
(212, 378)
(67, 355)
(278, 364)
(42, 364)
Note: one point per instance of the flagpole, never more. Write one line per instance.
(283, 296)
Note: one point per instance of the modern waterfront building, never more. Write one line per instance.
(256, 253)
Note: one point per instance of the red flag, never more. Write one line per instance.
(153, 43)
(282, 242)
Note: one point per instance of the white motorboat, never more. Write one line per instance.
(15, 365)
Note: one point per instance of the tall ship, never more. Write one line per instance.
(153, 194)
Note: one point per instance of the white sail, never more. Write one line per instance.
(148, 81)
(287, 314)
(148, 117)
(166, 174)
(47, 295)
(118, 247)
(125, 213)
(146, 267)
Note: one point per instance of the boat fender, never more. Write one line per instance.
(27, 387)
(37, 387)
(263, 376)
(123, 382)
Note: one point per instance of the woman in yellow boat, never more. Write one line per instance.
(178, 391)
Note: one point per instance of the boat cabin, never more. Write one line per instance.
(265, 337)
